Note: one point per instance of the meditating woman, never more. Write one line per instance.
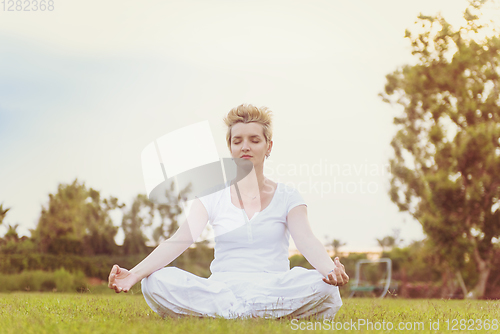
(252, 218)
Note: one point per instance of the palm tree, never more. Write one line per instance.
(11, 234)
(336, 244)
(3, 213)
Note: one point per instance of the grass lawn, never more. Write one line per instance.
(30, 312)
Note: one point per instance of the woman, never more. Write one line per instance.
(252, 218)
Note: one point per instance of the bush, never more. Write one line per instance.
(91, 266)
(38, 280)
(195, 260)
(21, 246)
(423, 290)
(298, 260)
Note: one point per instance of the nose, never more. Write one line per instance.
(245, 147)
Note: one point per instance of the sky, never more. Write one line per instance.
(85, 87)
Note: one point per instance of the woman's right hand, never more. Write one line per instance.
(120, 279)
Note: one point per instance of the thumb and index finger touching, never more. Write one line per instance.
(112, 277)
(342, 268)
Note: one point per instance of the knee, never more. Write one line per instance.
(326, 290)
(166, 275)
(165, 271)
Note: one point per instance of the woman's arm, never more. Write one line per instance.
(122, 280)
(312, 249)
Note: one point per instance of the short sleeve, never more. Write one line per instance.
(209, 198)
(294, 199)
(206, 201)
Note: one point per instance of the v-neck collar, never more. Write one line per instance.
(256, 213)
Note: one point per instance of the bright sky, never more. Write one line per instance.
(85, 87)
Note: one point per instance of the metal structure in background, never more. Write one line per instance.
(370, 288)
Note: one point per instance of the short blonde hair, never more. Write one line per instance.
(247, 113)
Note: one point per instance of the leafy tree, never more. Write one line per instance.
(76, 221)
(141, 216)
(133, 223)
(446, 168)
(169, 213)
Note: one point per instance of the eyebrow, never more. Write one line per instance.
(250, 136)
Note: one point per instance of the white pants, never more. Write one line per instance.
(296, 293)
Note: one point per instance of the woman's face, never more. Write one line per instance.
(248, 142)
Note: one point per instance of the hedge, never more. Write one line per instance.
(196, 261)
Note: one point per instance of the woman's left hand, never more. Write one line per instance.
(338, 276)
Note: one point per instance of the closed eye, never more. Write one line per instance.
(253, 141)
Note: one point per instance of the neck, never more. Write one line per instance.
(253, 182)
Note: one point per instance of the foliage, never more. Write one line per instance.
(418, 262)
(390, 241)
(418, 265)
(92, 266)
(3, 213)
(349, 262)
(337, 244)
(22, 245)
(141, 215)
(196, 260)
(169, 211)
(11, 243)
(76, 221)
(446, 169)
(59, 280)
(299, 261)
(133, 224)
(386, 242)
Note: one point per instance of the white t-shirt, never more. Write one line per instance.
(261, 245)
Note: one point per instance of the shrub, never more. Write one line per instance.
(194, 260)
(38, 280)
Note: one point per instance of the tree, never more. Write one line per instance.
(386, 243)
(11, 234)
(446, 167)
(169, 212)
(76, 221)
(133, 223)
(141, 215)
(3, 213)
(336, 244)
(390, 241)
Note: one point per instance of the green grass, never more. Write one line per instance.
(128, 313)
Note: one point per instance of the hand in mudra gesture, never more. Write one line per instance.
(120, 279)
(338, 275)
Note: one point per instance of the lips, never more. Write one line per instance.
(246, 156)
